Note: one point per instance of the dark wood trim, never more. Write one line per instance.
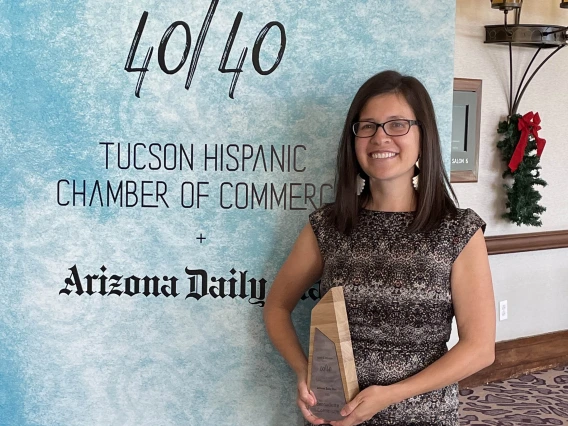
(516, 243)
(513, 358)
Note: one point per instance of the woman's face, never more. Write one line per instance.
(387, 158)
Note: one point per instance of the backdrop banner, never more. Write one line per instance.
(158, 160)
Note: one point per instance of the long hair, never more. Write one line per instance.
(433, 199)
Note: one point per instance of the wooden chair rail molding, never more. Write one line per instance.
(516, 243)
(513, 358)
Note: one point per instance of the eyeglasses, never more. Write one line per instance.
(398, 127)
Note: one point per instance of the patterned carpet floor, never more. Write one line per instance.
(534, 399)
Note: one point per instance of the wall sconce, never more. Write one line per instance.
(506, 4)
(527, 35)
(520, 137)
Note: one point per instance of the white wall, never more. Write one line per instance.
(535, 284)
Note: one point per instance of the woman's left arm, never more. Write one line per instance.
(474, 307)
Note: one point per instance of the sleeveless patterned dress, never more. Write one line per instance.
(399, 302)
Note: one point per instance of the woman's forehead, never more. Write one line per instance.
(386, 105)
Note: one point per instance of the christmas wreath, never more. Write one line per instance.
(521, 148)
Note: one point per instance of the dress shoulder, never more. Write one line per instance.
(465, 225)
(321, 225)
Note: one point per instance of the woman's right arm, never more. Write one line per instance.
(301, 270)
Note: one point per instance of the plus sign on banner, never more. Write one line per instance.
(158, 161)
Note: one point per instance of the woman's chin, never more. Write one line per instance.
(389, 178)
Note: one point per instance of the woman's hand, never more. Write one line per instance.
(307, 399)
(365, 405)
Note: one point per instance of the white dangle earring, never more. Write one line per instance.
(360, 184)
(415, 181)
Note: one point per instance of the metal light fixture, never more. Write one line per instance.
(526, 35)
(506, 4)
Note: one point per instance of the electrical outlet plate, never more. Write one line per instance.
(503, 310)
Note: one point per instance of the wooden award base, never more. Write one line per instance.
(331, 365)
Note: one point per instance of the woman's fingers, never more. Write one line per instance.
(307, 399)
(308, 415)
(306, 396)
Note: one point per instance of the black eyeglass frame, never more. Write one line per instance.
(410, 124)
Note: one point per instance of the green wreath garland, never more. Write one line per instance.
(522, 197)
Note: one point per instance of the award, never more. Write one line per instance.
(331, 366)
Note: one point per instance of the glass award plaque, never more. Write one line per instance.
(331, 366)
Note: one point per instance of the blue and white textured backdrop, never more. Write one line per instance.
(103, 189)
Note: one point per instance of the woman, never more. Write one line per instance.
(408, 259)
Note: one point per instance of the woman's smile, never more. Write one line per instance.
(382, 155)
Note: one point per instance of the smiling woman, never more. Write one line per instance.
(408, 260)
(391, 99)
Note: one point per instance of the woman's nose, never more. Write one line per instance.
(380, 135)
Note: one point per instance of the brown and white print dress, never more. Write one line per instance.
(399, 301)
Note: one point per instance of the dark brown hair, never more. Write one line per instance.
(433, 201)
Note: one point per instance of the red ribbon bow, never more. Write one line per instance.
(528, 124)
